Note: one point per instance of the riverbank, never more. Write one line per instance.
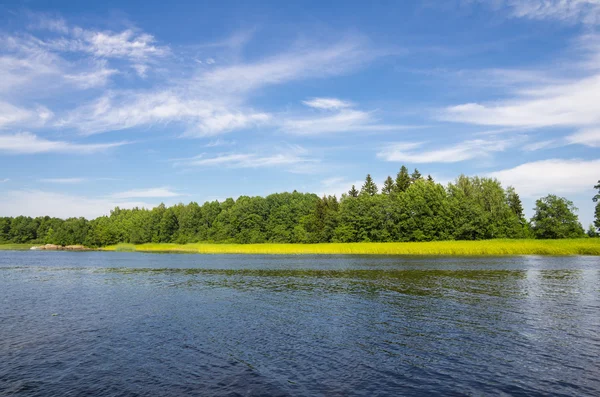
(487, 247)
(586, 246)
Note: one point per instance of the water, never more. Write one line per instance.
(131, 324)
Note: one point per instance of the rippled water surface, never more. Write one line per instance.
(131, 324)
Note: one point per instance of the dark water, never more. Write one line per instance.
(130, 324)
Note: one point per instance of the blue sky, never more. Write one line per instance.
(136, 103)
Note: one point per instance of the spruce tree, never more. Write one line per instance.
(388, 186)
(415, 176)
(429, 178)
(353, 192)
(402, 180)
(369, 187)
(597, 210)
(514, 202)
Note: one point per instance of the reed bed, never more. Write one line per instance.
(587, 246)
(16, 247)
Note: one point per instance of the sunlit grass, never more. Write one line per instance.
(487, 247)
(16, 247)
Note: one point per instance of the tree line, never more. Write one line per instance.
(408, 207)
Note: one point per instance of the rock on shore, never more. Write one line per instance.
(54, 247)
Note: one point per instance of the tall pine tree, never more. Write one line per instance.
(597, 211)
(514, 202)
(415, 176)
(402, 180)
(369, 186)
(353, 192)
(388, 186)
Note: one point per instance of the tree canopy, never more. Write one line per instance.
(409, 208)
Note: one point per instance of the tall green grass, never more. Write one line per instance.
(587, 246)
(16, 247)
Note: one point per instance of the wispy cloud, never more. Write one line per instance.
(158, 192)
(301, 62)
(555, 176)
(213, 100)
(339, 116)
(4, 180)
(293, 156)
(28, 143)
(327, 103)
(41, 203)
(570, 11)
(571, 100)
(66, 181)
(11, 115)
(418, 152)
(588, 137)
(123, 110)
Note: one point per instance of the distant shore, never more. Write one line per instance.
(586, 246)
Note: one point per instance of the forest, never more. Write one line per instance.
(408, 207)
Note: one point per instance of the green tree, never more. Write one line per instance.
(402, 180)
(353, 192)
(429, 178)
(5, 229)
(555, 218)
(388, 186)
(592, 232)
(597, 209)
(369, 187)
(415, 176)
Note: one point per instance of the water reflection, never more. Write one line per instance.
(179, 325)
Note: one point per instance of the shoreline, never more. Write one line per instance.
(566, 247)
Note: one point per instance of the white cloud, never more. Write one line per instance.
(337, 186)
(300, 62)
(327, 103)
(66, 181)
(89, 79)
(554, 176)
(340, 118)
(589, 137)
(27, 143)
(574, 104)
(294, 156)
(532, 147)
(119, 111)
(127, 44)
(4, 180)
(40, 203)
(11, 115)
(462, 151)
(159, 192)
(571, 11)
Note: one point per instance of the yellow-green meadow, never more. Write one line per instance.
(586, 246)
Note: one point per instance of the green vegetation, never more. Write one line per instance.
(487, 247)
(15, 247)
(409, 208)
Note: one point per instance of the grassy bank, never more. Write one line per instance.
(487, 247)
(16, 247)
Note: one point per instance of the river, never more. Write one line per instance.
(134, 324)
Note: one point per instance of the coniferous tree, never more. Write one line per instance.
(597, 210)
(415, 176)
(429, 178)
(369, 186)
(402, 180)
(353, 192)
(388, 186)
(514, 202)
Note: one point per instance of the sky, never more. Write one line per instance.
(135, 103)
